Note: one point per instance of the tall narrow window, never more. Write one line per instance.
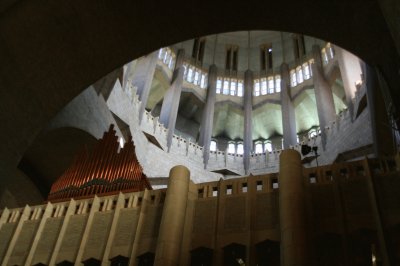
(233, 87)
(299, 46)
(299, 75)
(219, 85)
(324, 56)
(268, 146)
(263, 86)
(213, 145)
(231, 148)
(226, 87)
(231, 59)
(293, 78)
(259, 147)
(306, 71)
(266, 57)
(240, 88)
(256, 87)
(270, 84)
(277, 83)
(239, 148)
(203, 84)
(198, 49)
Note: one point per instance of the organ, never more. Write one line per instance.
(106, 169)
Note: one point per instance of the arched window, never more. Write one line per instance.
(324, 56)
(226, 87)
(268, 146)
(203, 81)
(213, 145)
(231, 147)
(239, 148)
(259, 147)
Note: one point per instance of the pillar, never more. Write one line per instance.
(288, 113)
(208, 114)
(292, 211)
(383, 142)
(143, 77)
(248, 108)
(350, 71)
(170, 105)
(173, 217)
(323, 94)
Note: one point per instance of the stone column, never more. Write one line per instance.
(323, 94)
(173, 217)
(382, 137)
(142, 78)
(288, 113)
(295, 250)
(248, 108)
(350, 70)
(170, 105)
(208, 114)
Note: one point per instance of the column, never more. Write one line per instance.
(295, 250)
(173, 217)
(323, 94)
(142, 78)
(70, 211)
(381, 129)
(170, 105)
(139, 227)
(248, 108)
(39, 232)
(208, 114)
(350, 71)
(288, 113)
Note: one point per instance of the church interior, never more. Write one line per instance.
(215, 134)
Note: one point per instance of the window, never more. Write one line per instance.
(299, 75)
(239, 148)
(244, 187)
(213, 145)
(310, 63)
(277, 83)
(268, 146)
(121, 142)
(270, 84)
(171, 62)
(263, 86)
(259, 148)
(293, 78)
(231, 148)
(198, 49)
(324, 56)
(240, 88)
(229, 190)
(226, 87)
(259, 185)
(200, 193)
(231, 60)
(331, 52)
(275, 183)
(299, 46)
(219, 85)
(215, 192)
(161, 53)
(203, 84)
(196, 77)
(189, 76)
(256, 87)
(306, 71)
(233, 87)
(266, 57)
(313, 178)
